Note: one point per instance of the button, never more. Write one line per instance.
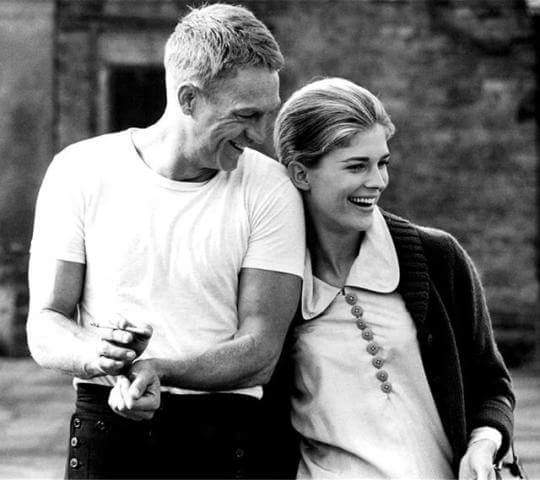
(74, 441)
(361, 324)
(100, 424)
(382, 375)
(239, 453)
(77, 422)
(74, 463)
(377, 362)
(351, 298)
(429, 339)
(386, 387)
(357, 311)
(373, 348)
(367, 334)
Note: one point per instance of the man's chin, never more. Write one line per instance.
(228, 163)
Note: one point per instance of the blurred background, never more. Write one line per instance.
(458, 77)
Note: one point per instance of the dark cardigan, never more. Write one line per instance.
(467, 376)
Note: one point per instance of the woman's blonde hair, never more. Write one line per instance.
(325, 115)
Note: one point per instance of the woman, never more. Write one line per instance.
(396, 371)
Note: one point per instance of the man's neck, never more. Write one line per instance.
(161, 148)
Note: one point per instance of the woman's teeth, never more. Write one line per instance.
(363, 201)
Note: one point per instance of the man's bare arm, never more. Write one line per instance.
(54, 337)
(267, 302)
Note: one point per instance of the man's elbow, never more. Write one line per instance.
(36, 340)
(32, 338)
(266, 368)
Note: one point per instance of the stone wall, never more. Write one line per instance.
(26, 147)
(457, 79)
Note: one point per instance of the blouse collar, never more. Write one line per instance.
(376, 269)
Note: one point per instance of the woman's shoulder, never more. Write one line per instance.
(438, 245)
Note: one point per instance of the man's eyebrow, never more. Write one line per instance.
(248, 109)
(257, 110)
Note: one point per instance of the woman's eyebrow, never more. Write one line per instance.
(357, 159)
(364, 159)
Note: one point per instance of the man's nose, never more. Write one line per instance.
(256, 132)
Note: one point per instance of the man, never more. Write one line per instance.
(180, 242)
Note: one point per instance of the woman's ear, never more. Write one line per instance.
(187, 94)
(299, 175)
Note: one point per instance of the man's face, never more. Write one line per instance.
(234, 116)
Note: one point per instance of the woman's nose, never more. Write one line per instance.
(376, 179)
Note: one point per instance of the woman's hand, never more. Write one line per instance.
(137, 396)
(477, 463)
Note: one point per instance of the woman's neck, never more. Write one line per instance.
(332, 252)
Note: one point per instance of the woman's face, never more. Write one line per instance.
(347, 183)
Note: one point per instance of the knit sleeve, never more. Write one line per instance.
(490, 399)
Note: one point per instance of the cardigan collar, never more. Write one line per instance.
(414, 284)
(376, 269)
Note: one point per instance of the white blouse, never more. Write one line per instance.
(363, 404)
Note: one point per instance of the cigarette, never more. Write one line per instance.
(135, 330)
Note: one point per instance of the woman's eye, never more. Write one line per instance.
(356, 168)
(384, 163)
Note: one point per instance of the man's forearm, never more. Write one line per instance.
(239, 363)
(59, 343)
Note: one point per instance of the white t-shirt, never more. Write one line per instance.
(166, 252)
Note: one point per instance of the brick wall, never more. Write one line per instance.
(457, 79)
(25, 149)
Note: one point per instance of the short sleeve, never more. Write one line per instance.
(59, 216)
(277, 239)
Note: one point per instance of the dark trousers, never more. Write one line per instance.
(191, 436)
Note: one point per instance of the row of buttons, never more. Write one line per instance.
(74, 442)
(74, 462)
(373, 347)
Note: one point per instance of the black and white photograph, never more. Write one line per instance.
(270, 239)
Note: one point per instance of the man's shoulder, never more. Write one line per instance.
(93, 149)
(258, 167)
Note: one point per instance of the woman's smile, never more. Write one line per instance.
(353, 176)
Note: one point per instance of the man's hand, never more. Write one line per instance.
(137, 396)
(477, 463)
(120, 342)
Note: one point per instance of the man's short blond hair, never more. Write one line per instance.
(212, 42)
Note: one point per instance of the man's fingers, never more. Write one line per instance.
(483, 473)
(140, 329)
(109, 350)
(146, 403)
(117, 336)
(116, 402)
(109, 366)
(140, 383)
(145, 390)
(123, 385)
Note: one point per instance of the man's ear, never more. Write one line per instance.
(299, 175)
(187, 96)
